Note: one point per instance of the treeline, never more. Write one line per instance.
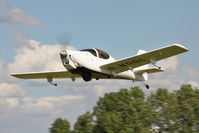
(131, 111)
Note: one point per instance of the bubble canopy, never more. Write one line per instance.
(97, 53)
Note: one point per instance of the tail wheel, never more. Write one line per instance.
(87, 77)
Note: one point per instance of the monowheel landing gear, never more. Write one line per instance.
(87, 77)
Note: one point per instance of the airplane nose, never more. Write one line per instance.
(63, 54)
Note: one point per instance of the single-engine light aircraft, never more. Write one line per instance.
(96, 64)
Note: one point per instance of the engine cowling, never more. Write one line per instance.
(67, 61)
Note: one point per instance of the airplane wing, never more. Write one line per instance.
(59, 75)
(144, 58)
(45, 75)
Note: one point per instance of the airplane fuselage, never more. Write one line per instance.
(84, 62)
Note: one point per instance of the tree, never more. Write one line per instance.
(165, 106)
(84, 123)
(60, 126)
(188, 109)
(129, 111)
(177, 111)
(125, 111)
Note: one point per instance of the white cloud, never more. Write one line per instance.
(8, 104)
(174, 76)
(194, 84)
(47, 105)
(37, 112)
(11, 90)
(17, 16)
(1, 66)
(36, 57)
(170, 78)
(191, 73)
(4, 73)
(3, 3)
(14, 101)
(20, 39)
(170, 63)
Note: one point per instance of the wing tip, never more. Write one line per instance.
(15, 75)
(181, 46)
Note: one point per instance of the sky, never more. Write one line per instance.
(29, 41)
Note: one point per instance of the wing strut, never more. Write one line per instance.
(153, 62)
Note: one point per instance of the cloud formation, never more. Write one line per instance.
(11, 91)
(36, 112)
(77, 97)
(36, 57)
(18, 107)
(15, 101)
(3, 3)
(20, 39)
(17, 16)
(174, 75)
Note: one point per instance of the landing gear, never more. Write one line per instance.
(84, 72)
(146, 85)
(87, 77)
(50, 80)
(55, 84)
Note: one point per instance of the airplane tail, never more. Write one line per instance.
(139, 71)
(142, 72)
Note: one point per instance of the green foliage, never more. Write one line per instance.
(130, 111)
(165, 105)
(188, 109)
(123, 112)
(177, 111)
(84, 124)
(60, 126)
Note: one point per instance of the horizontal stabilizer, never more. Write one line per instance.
(148, 70)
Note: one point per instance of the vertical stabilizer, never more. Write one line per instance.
(143, 75)
(141, 52)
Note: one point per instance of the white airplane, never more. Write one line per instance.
(96, 64)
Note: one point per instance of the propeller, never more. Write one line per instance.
(64, 39)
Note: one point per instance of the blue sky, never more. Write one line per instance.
(119, 27)
(113, 25)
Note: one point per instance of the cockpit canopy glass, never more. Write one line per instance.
(102, 54)
(92, 51)
(97, 53)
